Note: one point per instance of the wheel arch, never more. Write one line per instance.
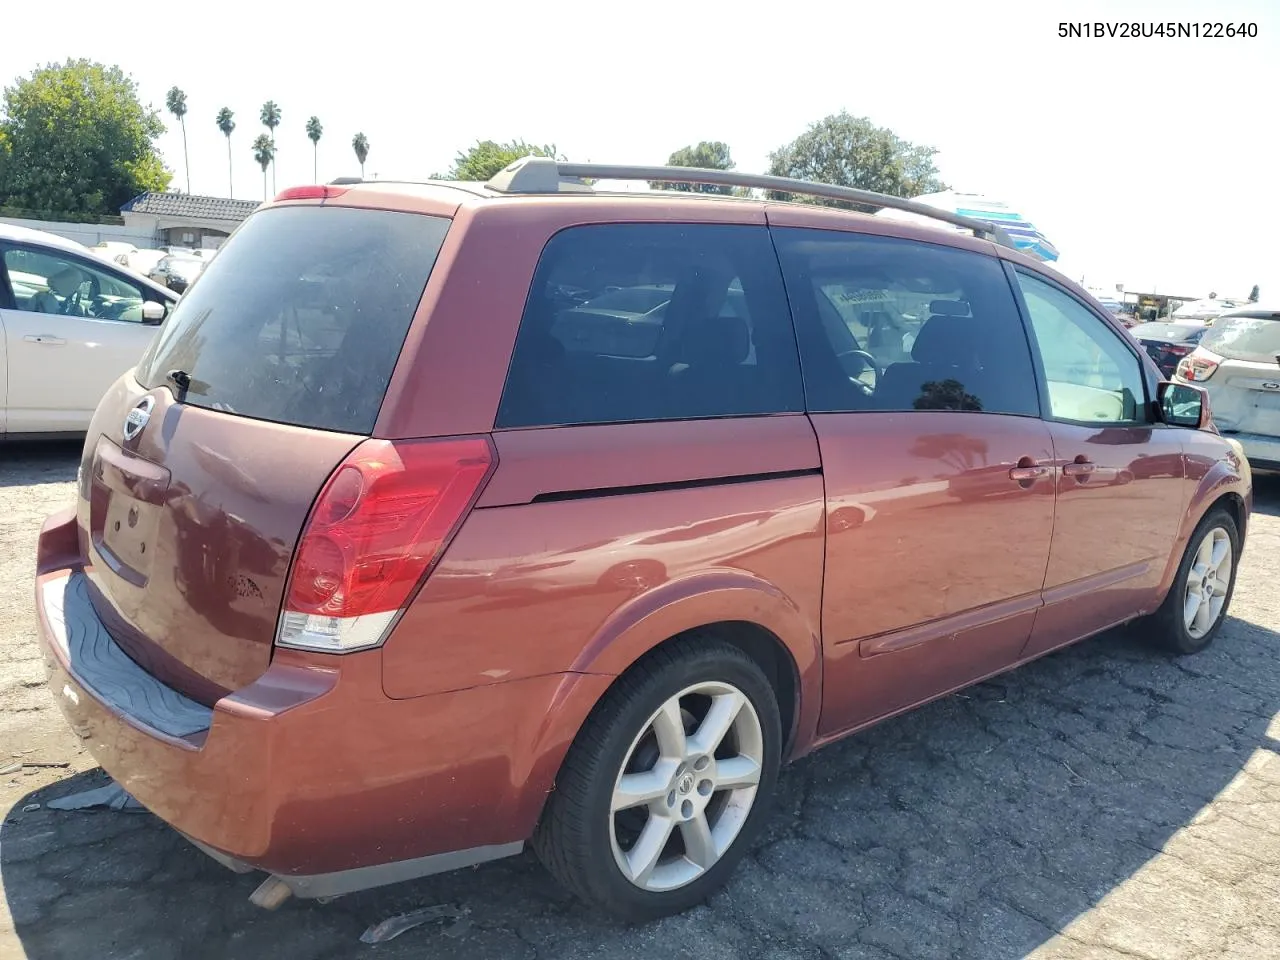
(748, 613)
(1220, 487)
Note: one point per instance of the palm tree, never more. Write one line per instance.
(227, 123)
(176, 101)
(360, 144)
(270, 116)
(314, 132)
(264, 151)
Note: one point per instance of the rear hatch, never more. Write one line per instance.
(1244, 389)
(202, 465)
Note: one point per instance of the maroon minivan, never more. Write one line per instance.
(442, 518)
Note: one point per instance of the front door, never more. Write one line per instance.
(938, 469)
(74, 327)
(1121, 492)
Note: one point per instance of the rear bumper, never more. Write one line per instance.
(311, 772)
(1262, 451)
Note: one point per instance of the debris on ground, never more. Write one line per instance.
(31, 808)
(112, 797)
(458, 928)
(10, 768)
(392, 927)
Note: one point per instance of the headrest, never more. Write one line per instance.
(948, 308)
(66, 281)
(946, 340)
(717, 341)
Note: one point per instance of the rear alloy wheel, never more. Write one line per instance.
(1193, 612)
(667, 783)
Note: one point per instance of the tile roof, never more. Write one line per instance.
(187, 205)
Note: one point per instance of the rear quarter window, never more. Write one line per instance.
(641, 322)
(301, 316)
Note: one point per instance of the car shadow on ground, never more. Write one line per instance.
(23, 463)
(978, 826)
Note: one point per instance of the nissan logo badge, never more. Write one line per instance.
(138, 417)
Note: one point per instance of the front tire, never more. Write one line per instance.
(1197, 604)
(666, 785)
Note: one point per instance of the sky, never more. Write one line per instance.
(1149, 162)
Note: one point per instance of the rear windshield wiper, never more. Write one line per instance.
(182, 380)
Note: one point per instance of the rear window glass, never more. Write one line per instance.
(1253, 337)
(301, 316)
(640, 322)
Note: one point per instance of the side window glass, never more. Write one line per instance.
(641, 322)
(894, 325)
(1091, 376)
(46, 282)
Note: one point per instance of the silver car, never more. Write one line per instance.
(1238, 363)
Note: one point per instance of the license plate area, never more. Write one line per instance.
(1264, 399)
(127, 495)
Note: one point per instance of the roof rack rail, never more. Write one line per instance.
(531, 175)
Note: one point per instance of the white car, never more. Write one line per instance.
(144, 261)
(115, 251)
(1238, 364)
(70, 324)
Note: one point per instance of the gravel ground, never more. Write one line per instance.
(1105, 802)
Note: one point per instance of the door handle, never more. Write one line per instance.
(44, 338)
(1028, 471)
(1082, 466)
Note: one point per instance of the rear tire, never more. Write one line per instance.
(1197, 603)
(667, 784)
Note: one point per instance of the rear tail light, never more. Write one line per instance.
(376, 530)
(1179, 349)
(1198, 366)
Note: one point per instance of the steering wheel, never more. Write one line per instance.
(867, 362)
(76, 301)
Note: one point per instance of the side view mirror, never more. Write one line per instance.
(153, 313)
(1182, 405)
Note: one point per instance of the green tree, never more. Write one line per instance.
(227, 124)
(78, 141)
(270, 117)
(1254, 294)
(707, 155)
(264, 151)
(487, 157)
(851, 151)
(360, 144)
(314, 132)
(176, 101)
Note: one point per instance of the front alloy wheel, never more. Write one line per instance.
(1208, 580)
(1194, 609)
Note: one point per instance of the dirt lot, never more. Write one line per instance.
(1103, 802)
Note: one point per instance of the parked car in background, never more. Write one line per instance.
(1238, 364)
(178, 271)
(117, 251)
(70, 324)
(369, 596)
(1167, 343)
(143, 261)
(1203, 311)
